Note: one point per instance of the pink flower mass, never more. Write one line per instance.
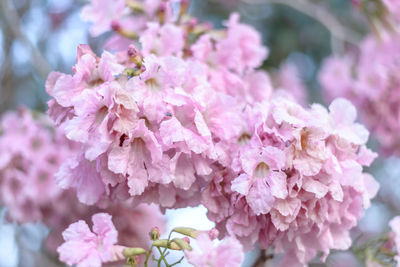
(181, 123)
(373, 88)
(176, 113)
(31, 194)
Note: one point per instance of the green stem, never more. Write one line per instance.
(169, 238)
(162, 257)
(177, 262)
(148, 256)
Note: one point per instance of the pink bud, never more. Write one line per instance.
(163, 7)
(356, 3)
(208, 25)
(133, 51)
(213, 233)
(184, 5)
(193, 22)
(185, 2)
(154, 233)
(115, 26)
(186, 239)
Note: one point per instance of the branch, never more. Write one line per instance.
(262, 259)
(320, 14)
(11, 20)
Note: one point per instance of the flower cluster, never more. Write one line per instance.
(31, 151)
(28, 161)
(373, 88)
(129, 18)
(153, 124)
(298, 183)
(189, 119)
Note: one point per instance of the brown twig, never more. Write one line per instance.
(262, 258)
(338, 31)
(11, 20)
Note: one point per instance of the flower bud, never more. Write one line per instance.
(184, 6)
(356, 3)
(186, 231)
(115, 26)
(135, 55)
(182, 243)
(213, 233)
(133, 261)
(155, 234)
(164, 243)
(130, 252)
(161, 12)
(186, 239)
(133, 51)
(135, 6)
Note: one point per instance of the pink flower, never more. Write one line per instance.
(242, 48)
(227, 253)
(81, 175)
(164, 40)
(393, 7)
(86, 248)
(335, 77)
(290, 81)
(263, 180)
(373, 89)
(343, 115)
(101, 13)
(140, 159)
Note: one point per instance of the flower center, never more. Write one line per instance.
(244, 138)
(152, 84)
(261, 170)
(305, 135)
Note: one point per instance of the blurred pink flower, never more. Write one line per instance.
(86, 248)
(101, 13)
(242, 48)
(372, 88)
(228, 253)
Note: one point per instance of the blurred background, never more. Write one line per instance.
(37, 36)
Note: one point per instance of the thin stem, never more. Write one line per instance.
(181, 259)
(148, 256)
(169, 238)
(162, 256)
(262, 258)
